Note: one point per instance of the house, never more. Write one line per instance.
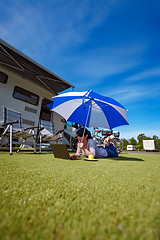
(28, 87)
(131, 147)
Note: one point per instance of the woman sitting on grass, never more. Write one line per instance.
(89, 147)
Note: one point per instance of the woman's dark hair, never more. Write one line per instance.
(80, 133)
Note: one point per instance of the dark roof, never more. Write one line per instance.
(18, 62)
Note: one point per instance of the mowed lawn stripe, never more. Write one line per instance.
(47, 198)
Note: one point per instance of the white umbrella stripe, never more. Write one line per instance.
(102, 111)
(68, 94)
(72, 105)
(122, 111)
(98, 118)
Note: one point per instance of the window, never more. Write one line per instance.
(26, 96)
(3, 77)
(72, 124)
(45, 110)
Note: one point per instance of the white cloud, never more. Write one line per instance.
(53, 28)
(149, 74)
(135, 93)
(100, 63)
(61, 24)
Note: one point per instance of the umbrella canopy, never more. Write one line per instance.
(90, 109)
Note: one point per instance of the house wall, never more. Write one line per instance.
(58, 124)
(7, 99)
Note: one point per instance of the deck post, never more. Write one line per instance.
(11, 130)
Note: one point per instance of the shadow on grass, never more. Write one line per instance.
(120, 158)
(128, 159)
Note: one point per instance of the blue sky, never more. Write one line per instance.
(111, 47)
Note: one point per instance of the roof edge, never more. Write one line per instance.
(34, 62)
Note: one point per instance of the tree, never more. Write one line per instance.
(156, 138)
(140, 137)
(125, 143)
(133, 141)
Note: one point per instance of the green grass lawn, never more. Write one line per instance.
(47, 198)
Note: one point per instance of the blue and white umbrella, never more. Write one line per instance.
(90, 109)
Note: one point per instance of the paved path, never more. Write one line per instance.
(141, 152)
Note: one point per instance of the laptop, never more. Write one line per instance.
(61, 151)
